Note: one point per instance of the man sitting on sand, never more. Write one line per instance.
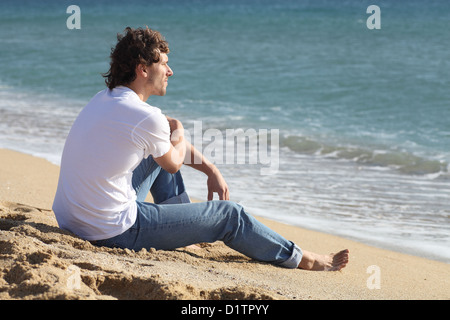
(120, 148)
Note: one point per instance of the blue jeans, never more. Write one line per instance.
(173, 222)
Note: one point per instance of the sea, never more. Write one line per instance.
(329, 115)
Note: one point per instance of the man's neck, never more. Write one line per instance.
(139, 90)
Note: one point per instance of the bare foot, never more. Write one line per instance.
(319, 262)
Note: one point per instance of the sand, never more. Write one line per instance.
(40, 261)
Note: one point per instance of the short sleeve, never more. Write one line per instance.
(152, 134)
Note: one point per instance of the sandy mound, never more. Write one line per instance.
(40, 261)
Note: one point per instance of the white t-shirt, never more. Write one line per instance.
(110, 137)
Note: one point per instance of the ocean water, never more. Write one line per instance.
(357, 119)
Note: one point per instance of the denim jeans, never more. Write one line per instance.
(172, 221)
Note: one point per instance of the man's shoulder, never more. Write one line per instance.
(128, 97)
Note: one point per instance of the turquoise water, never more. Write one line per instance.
(363, 115)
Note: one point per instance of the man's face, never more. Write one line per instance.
(159, 74)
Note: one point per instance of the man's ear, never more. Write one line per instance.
(141, 69)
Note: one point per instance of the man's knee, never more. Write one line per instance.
(229, 206)
(234, 213)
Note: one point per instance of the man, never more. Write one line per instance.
(120, 148)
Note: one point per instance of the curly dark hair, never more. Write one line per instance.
(134, 47)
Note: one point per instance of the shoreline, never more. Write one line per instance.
(421, 253)
(28, 185)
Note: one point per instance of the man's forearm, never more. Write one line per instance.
(178, 141)
(216, 183)
(195, 159)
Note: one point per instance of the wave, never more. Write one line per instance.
(402, 161)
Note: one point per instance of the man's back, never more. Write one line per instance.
(112, 134)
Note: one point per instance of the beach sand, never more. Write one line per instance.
(40, 261)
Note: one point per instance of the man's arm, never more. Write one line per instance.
(195, 159)
(216, 183)
(174, 158)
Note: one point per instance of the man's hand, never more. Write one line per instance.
(216, 184)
